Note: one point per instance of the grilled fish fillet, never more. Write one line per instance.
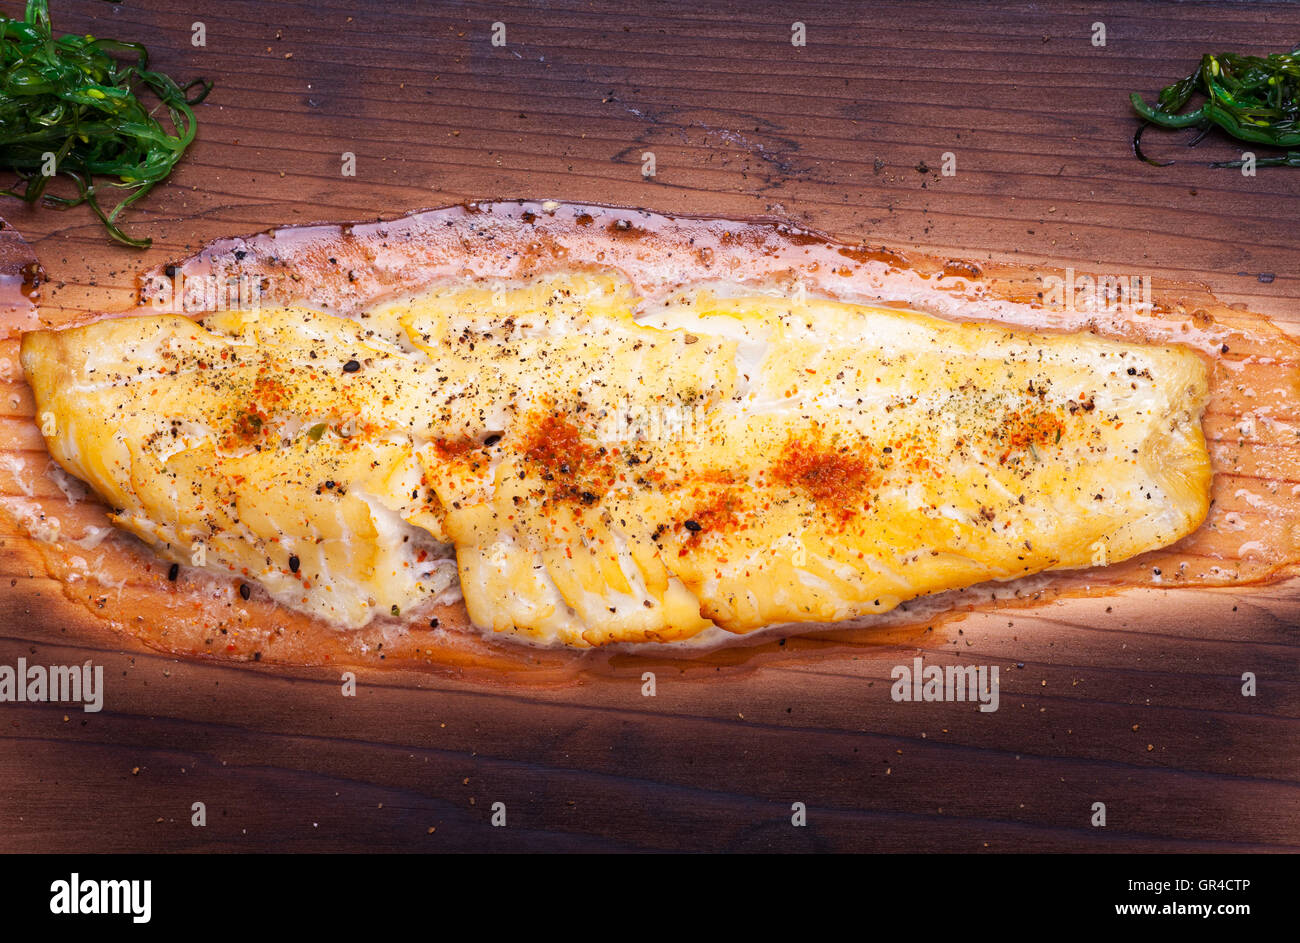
(606, 471)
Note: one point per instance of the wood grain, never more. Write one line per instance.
(1124, 701)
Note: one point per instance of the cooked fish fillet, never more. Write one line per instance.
(609, 472)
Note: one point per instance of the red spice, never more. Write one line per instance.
(719, 513)
(832, 475)
(454, 448)
(246, 427)
(1020, 431)
(249, 422)
(574, 469)
(269, 391)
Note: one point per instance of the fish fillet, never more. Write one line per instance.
(591, 469)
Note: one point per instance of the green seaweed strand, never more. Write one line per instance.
(1251, 98)
(75, 98)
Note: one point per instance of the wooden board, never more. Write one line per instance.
(1126, 701)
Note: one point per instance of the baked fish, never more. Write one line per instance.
(592, 468)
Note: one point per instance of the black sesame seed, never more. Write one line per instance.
(433, 623)
(351, 366)
(694, 526)
(294, 563)
(492, 439)
(244, 591)
(174, 572)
